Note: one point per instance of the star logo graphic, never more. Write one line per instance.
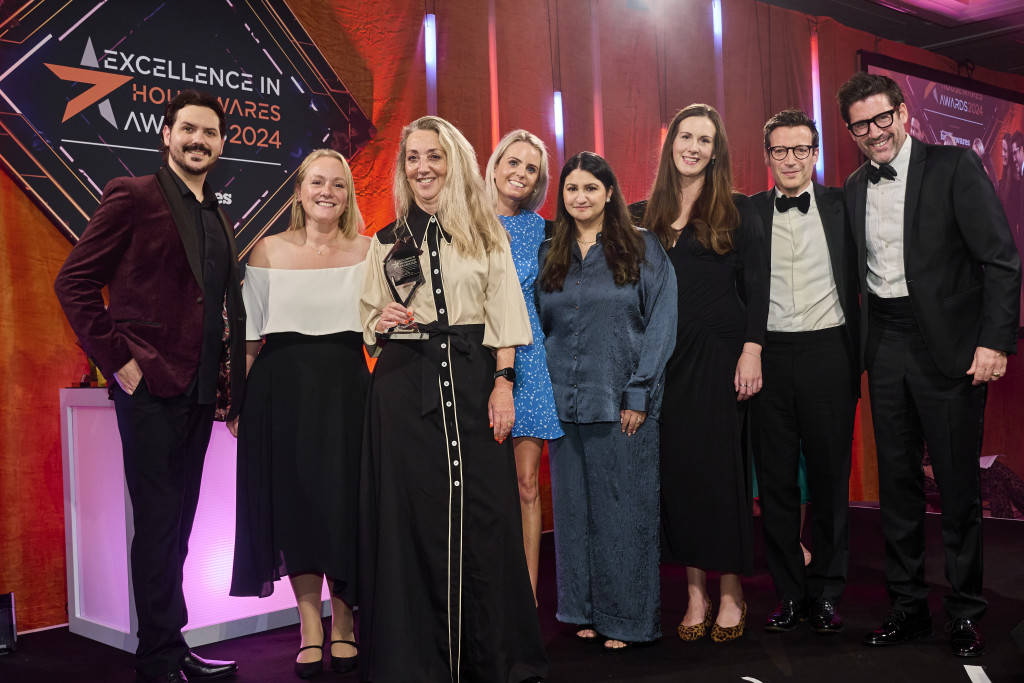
(102, 85)
(84, 88)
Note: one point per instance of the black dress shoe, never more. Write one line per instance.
(310, 669)
(964, 638)
(197, 668)
(899, 627)
(824, 617)
(343, 665)
(169, 677)
(786, 616)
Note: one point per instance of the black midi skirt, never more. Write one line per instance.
(299, 441)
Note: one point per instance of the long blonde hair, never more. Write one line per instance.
(462, 206)
(540, 190)
(350, 219)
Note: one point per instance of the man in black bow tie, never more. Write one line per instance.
(811, 377)
(940, 279)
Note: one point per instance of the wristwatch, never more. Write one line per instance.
(507, 373)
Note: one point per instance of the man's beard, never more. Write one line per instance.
(181, 159)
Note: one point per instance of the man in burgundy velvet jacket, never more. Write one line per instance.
(166, 252)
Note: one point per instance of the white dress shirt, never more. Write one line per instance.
(883, 224)
(803, 294)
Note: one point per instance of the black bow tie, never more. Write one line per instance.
(881, 171)
(784, 203)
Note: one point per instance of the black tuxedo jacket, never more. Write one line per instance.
(841, 253)
(962, 267)
(141, 244)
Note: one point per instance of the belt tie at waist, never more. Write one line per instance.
(460, 337)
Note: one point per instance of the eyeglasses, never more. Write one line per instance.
(799, 152)
(861, 128)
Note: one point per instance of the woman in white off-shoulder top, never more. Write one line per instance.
(300, 430)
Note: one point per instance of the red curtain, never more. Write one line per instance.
(39, 356)
(653, 57)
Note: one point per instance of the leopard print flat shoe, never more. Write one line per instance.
(697, 631)
(720, 634)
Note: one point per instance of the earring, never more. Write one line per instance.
(712, 162)
(607, 200)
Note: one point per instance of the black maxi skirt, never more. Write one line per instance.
(299, 442)
(444, 590)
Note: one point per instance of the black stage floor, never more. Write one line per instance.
(57, 655)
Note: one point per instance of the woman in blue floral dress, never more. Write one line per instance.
(517, 182)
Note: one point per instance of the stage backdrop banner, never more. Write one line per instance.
(83, 99)
(951, 110)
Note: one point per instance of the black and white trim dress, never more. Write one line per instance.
(444, 590)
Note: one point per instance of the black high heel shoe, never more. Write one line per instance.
(310, 669)
(343, 665)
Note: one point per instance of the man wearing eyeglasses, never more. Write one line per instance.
(811, 377)
(940, 278)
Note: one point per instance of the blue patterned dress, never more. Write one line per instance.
(534, 399)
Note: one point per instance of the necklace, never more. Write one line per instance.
(320, 250)
(593, 241)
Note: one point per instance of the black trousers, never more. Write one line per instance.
(913, 404)
(809, 401)
(164, 442)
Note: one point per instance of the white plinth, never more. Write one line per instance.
(98, 532)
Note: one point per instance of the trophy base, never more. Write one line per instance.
(406, 335)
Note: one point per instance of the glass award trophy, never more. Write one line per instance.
(404, 276)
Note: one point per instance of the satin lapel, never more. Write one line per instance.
(234, 276)
(859, 210)
(229, 233)
(915, 173)
(182, 220)
(766, 207)
(830, 210)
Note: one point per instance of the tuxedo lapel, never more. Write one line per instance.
(915, 172)
(858, 210)
(765, 203)
(830, 211)
(229, 233)
(182, 221)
